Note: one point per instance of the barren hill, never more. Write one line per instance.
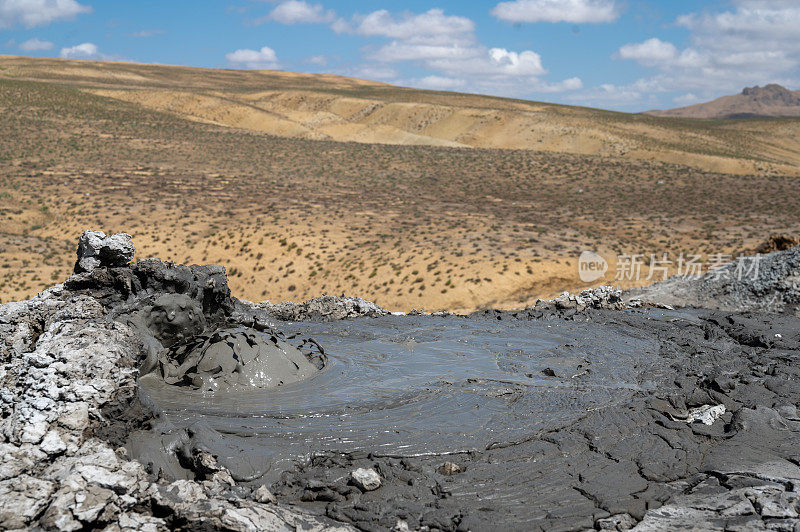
(404, 225)
(328, 107)
(753, 102)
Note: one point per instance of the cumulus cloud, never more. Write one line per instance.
(85, 50)
(438, 83)
(431, 27)
(443, 44)
(657, 53)
(573, 11)
(753, 43)
(35, 45)
(651, 51)
(525, 63)
(265, 58)
(446, 45)
(300, 12)
(32, 13)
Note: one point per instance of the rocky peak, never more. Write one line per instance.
(772, 93)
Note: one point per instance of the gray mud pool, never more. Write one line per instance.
(415, 385)
(509, 420)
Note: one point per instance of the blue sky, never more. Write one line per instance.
(628, 55)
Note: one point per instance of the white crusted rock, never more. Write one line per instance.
(52, 443)
(366, 479)
(23, 498)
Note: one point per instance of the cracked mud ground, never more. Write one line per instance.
(638, 461)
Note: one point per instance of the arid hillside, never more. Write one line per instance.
(327, 107)
(409, 226)
(753, 102)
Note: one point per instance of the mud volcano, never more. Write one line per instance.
(576, 414)
(410, 386)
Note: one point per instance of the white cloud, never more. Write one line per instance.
(445, 45)
(571, 84)
(300, 12)
(573, 11)
(525, 63)
(35, 45)
(652, 51)
(265, 58)
(85, 50)
(402, 51)
(438, 83)
(754, 43)
(319, 60)
(32, 13)
(641, 92)
(431, 27)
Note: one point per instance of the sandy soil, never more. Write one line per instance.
(407, 226)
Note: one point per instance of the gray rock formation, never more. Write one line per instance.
(365, 479)
(68, 398)
(95, 249)
(324, 308)
(766, 283)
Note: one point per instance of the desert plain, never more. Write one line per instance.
(303, 185)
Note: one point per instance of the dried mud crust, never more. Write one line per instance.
(636, 463)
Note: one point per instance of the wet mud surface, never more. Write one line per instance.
(512, 420)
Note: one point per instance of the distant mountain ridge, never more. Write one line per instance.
(753, 102)
(325, 107)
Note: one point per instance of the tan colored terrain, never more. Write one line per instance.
(328, 107)
(753, 102)
(414, 225)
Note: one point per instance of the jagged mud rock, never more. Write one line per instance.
(95, 249)
(570, 306)
(230, 357)
(767, 283)
(69, 397)
(324, 308)
(174, 318)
